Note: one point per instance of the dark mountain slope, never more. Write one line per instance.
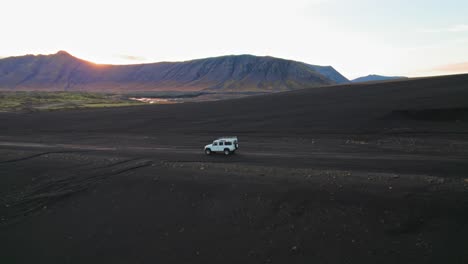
(428, 104)
(62, 71)
(331, 73)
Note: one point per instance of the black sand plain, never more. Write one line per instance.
(362, 173)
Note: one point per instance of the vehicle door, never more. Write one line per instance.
(220, 146)
(215, 146)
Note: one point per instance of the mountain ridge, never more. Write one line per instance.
(376, 78)
(63, 71)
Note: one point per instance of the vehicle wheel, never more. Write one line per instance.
(227, 152)
(208, 151)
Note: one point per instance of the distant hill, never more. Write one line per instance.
(64, 72)
(375, 78)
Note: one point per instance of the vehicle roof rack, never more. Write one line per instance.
(227, 137)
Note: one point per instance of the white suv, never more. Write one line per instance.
(226, 145)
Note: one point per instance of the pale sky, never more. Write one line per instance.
(357, 37)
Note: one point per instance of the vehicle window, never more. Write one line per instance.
(221, 143)
(228, 143)
(215, 144)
